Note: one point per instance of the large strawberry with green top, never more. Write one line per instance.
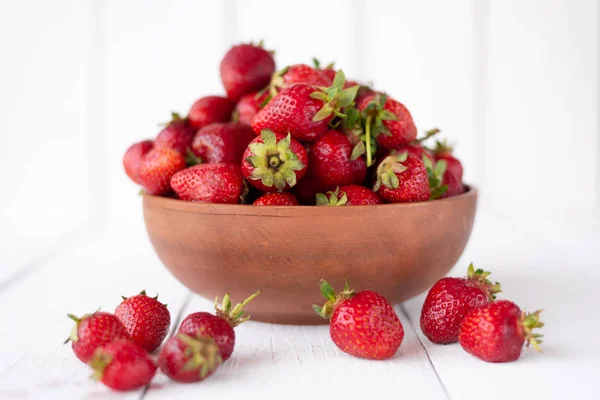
(176, 135)
(246, 68)
(274, 162)
(402, 177)
(222, 142)
(305, 111)
(334, 162)
(157, 168)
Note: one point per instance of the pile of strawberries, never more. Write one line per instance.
(300, 135)
(118, 346)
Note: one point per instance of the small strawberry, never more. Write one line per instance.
(249, 105)
(133, 158)
(157, 168)
(299, 73)
(123, 365)
(187, 359)
(222, 142)
(496, 332)
(176, 135)
(450, 299)
(305, 111)
(329, 71)
(335, 162)
(402, 178)
(94, 330)
(210, 183)
(387, 120)
(349, 195)
(246, 68)
(276, 199)
(361, 324)
(454, 169)
(146, 319)
(274, 162)
(308, 187)
(210, 109)
(218, 326)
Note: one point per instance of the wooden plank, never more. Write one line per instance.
(300, 362)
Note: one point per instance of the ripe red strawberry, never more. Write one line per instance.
(249, 105)
(299, 73)
(157, 168)
(222, 142)
(245, 69)
(146, 320)
(276, 199)
(450, 299)
(94, 330)
(416, 150)
(361, 324)
(188, 359)
(402, 178)
(334, 162)
(496, 332)
(210, 183)
(308, 187)
(388, 121)
(176, 135)
(210, 109)
(218, 326)
(349, 195)
(133, 158)
(304, 111)
(454, 169)
(123, 365)
(274, 162)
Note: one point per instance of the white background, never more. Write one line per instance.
(515, 83)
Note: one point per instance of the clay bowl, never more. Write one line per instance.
(398, 250)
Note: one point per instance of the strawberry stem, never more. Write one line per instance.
(368, 140)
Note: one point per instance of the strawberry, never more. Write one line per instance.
(454, 169)
(249, 105)
(329, 72)
(210, 183)
(157, 168)
(92, 331)
(274, 162)
(496, 332)
(188, 359)
(361, 324)
(133, 158)
(176, 135)
(218, 326)
(222, 142)
(299, 73)
(402, 178)
(276, 199)
(210, 109)
(305, 111)
(123, 365)
(416, 150)
(349, 195)
(246, 68)
(145, 318)
(308, 187)
(334, 161)
(450, 299)
(388, 121)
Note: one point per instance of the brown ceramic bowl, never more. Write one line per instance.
(398, 250)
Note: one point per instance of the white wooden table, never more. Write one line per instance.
(90, 269)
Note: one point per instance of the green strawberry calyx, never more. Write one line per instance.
(73, 337)
(335, 98)
(428, 134)
(100, 360)
(202, 353)
(274, 161)
(233, 315)
(387, 170)
(442, 148)
(435, 174)
(142, 293)
(333, 299)
(331, 198)
(374, 116)
(479, 276)
(529, 322)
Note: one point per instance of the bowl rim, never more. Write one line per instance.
(154, 201)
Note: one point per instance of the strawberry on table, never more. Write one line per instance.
(92, 331)
(157, 168)
(496, 332)
(450, 299)
(123, 365)
(274, 162)
(402, 177)
(349, 195)
(189, 359)
(361, 324)
(276, 199)
(218, 326)
(133, 158)
(146, 320)
(176, 135)
(210, 109)
(246, 68)
(210, 183)
(222, 142)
